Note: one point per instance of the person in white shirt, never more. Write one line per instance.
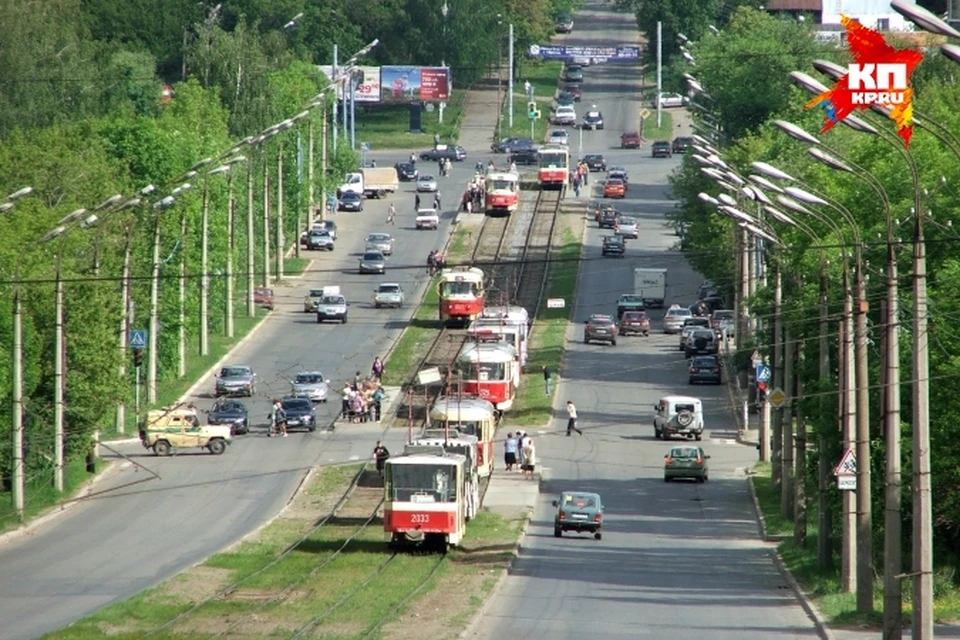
(572, 420)
(529, 457)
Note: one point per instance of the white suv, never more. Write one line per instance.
(678, 415)
(565, 115)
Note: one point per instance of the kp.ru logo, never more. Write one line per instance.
(880, 75)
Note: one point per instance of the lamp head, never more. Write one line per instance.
(766, 184)
(795, 132)
(923, 18)
(771, 171)
(825, 158)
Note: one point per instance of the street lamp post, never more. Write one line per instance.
(499, 77)
(225, 168)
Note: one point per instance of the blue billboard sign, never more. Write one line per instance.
(591, 55)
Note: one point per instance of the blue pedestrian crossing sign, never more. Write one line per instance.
(138, 339)
(763, 373)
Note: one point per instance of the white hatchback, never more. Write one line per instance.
(559, 136)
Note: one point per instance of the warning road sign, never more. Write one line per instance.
(848, 464)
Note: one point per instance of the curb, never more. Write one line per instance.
(761, 519)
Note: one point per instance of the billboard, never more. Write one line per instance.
(410, 84)
(594, 55)
(367, 91)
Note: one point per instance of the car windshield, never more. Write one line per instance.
(373, 257)
(234, 372)
(316, 293)
(591, 158)
(615, 182)
(389, 288)
(723, 315)
(333, 300)
(626, 220)
(635, 316)
(308, 378)
(629, 297)
(601, 320)
(378, 237)
(704, 362)
(351, 196)
(679, 312)
(227, 405)
(707, 335)
(427, 178)
(297, 404)
(684, 452)
(593, 114)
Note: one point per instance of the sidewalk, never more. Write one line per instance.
(479, 124)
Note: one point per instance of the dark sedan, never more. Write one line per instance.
(595, 162)
(455, 153)
(299, 412)
(351, 202)
(661, 149)
(523, 157)
(406, 172)
(706, 369)
(574, 90)
(511, 144)
(230, 412)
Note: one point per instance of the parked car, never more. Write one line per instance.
(706, 369)
(661, 149)
(686, 462)
(299, 412)
(580, 512)
(573, 73)
(406, 172)
(523, 157)
(263, 298)
(235, 380)
(232, 413)
(600, 328)
(320, 240)
(682, 144)
(350, 201)
(595, 162)
(388, 294)
(382, 242)
(613, 246)
(507, 145)
(455, 153)
(593, 119)
(678, 415)
(630, 140)
(614, 188)
(312, 385)
(373, 262)
(674, 318)
(668, 100)
(559, 136)
(628, 227)
(635, 322)
(426, 184)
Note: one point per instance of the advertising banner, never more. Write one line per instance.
(367, 91)
(410, 85)
(589, 55)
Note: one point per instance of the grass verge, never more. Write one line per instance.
(389, 127)
(39, 493)
(465, 579)
(543, 77)
(650, 131)
(547, 338)
(824, 586)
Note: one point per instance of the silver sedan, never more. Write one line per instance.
(382, 242)
(426, 184)
(388, 294)
(373, 262)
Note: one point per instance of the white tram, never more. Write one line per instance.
(440, 440)
(470, 416)
(509, 324)
(490, 371)
(425, 499)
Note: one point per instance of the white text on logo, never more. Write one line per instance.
(881, 83)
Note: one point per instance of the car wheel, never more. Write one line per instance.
(376, 305)
(217, 447)
(690, 381)
(312, 428)
(666, 478)
(344, 321)
(319, 320)
(598, 535)
(613, 343)
(557, 532)
(698, 437)
(161, 448)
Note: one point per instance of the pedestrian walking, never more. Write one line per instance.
(510, 452)
(576, 185)
(436, 200)
(413, 158)
(529, 458)
(432, 262)
(520, 441)
(416, 201)
(392, 215)
(378, 397)
(572, 420)
(381, 454)
(547, 378)
(447, 165)
(585, 172)
(377, 369)
(278, 420)
(513, 167)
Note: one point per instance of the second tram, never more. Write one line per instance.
(502, 192)
(461, 292)
(554, 166)
(471, 416)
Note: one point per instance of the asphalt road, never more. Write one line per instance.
(142, 529)
(678, 560)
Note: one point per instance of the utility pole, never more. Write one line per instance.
(743, 241)
(786, 483)
(311, 193)
(336, 99)
(126, 321)
(231, 248)
(776, 471)
(864, 507)
(266, 219)
(499, 77)
(892, 521)
(58, 372)
(800, 458)
(280, 214)
(510, 76)
(922, 509)
(251, 240)
(659, 71)
(323, 160)
(182, 348)
(825, 519)
(17, 400)
(204, 268)
(154, 315)
(848, 569)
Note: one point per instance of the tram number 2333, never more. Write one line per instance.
(420, 518)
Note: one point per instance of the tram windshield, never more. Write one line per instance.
(422, 483)
(468, 428)
(484, 371)
(459, 288)
(554, 160)
(503, 185)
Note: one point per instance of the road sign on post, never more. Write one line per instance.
(846, 471)
(137, 339)
(763, 373)
(778, 398)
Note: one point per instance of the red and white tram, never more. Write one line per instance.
(509, 324)
(440, 440)
(424, 501)
(461, 292)
(472, 417)
(554, 166)
(490, 370)
(502, 191)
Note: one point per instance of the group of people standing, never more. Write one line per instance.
(362, 399)
(520, 452)
(472, 199)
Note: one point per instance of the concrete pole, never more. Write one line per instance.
(251, 239)
(864, 506)
(204, 268)
(266, 220)
(848, 569)
(922, 509)
(323, 161)
(825, 519)
(892, 521)
(154, 317)
(336, 102)
(765, 436)
(353, 113)
(800, 460)
(182, 344)
(776, 472)
(231, 247)
(787, 479)
(751, 279)
(656, 98)
(311, 187)
(126, 320)
(510, 75)
(17, 401)
(280, 247)
(744, 311)
(58, 372)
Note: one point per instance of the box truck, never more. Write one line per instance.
(371, 182)
(651, 285)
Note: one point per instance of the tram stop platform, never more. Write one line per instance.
(511, 494)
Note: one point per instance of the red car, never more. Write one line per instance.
(263, 298)
(637, 322)
(614, 188)
(630, 140)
